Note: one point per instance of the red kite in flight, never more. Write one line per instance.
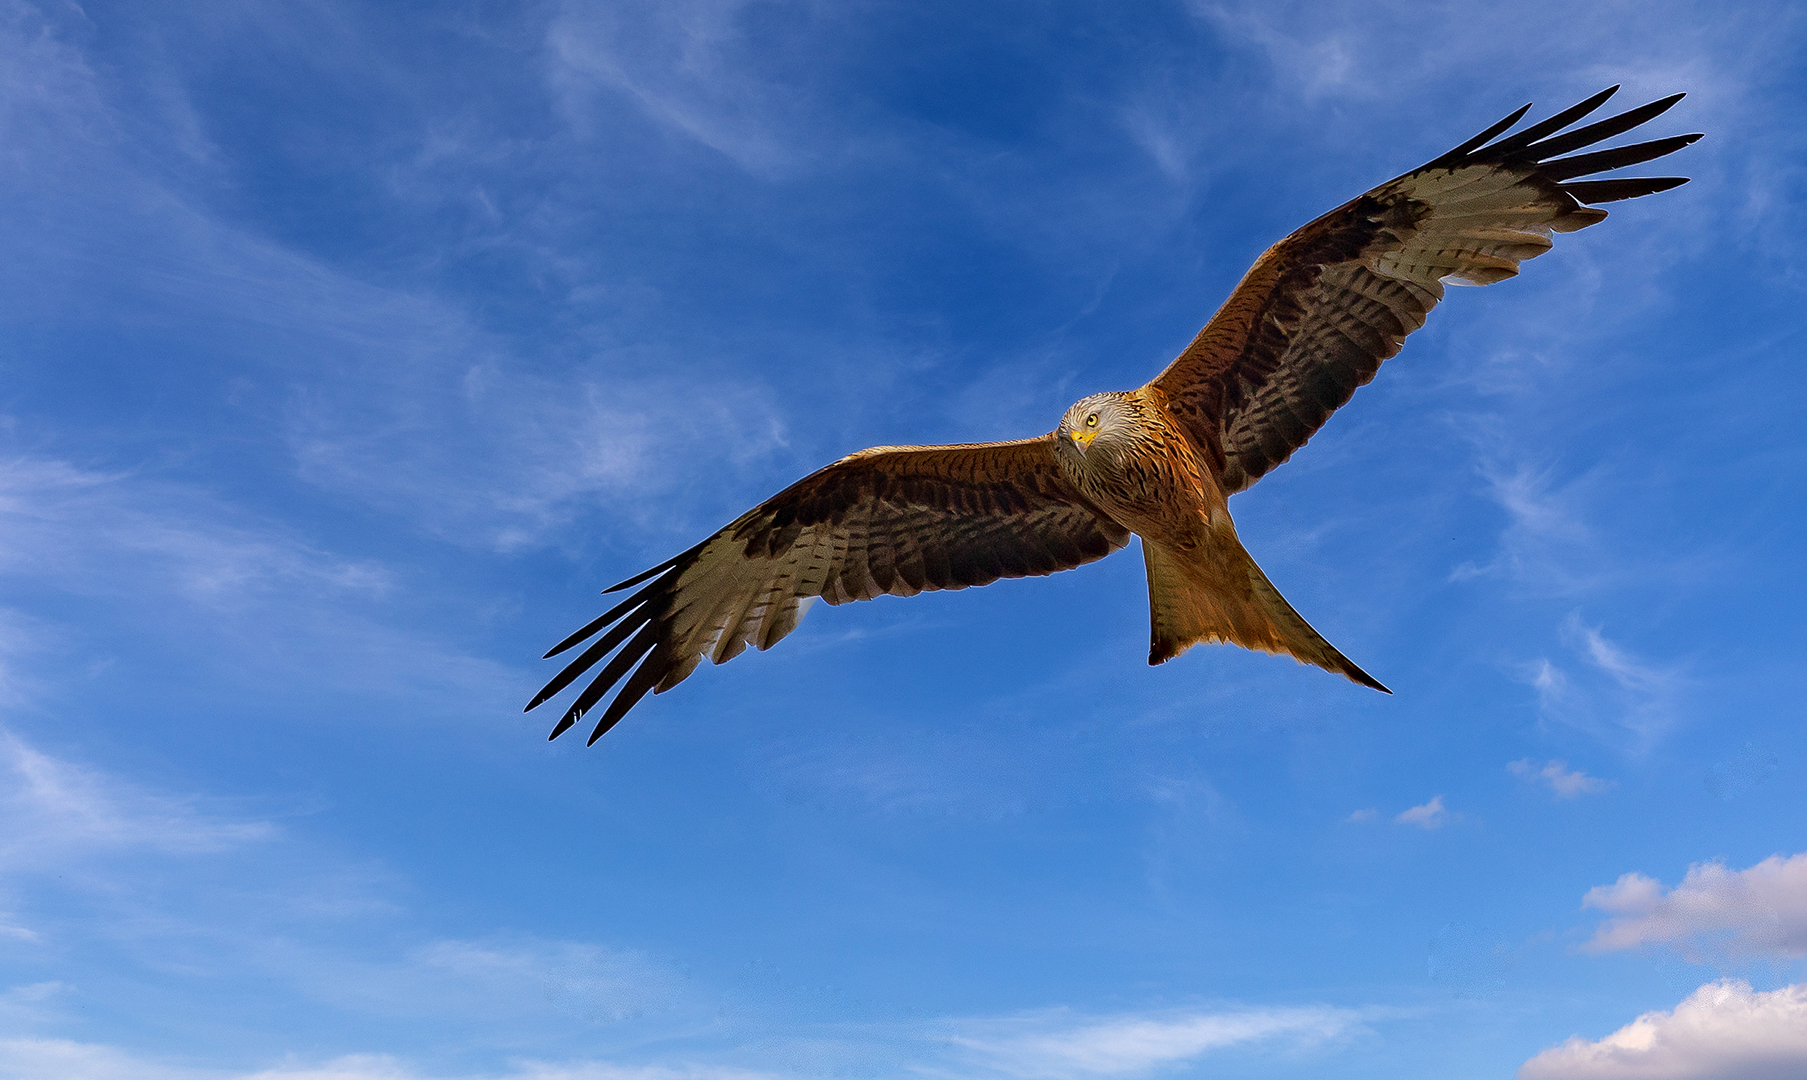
(1311, 321)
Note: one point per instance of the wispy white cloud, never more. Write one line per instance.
(383, 1067)
(1547, 546)
(87, 855)
(1354, 51)
(1628, 671)
(20, 635)
(31, 1003)
(1166, 147)
(1059, 1045)
(86, 530)
(1052, 1045)
(396, 395)
(63, 1059)
(1565, 782)
(52, 811)
(249, 586)
(1430, 815)
(1317, 59)
(266, 913)
(1607, 689)
(685, 66)
(465, 443)
(1363, 816)
(1723, 1030)
(1757, 911)
(512, 979)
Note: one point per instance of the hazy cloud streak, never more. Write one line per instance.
(1057, 1045)
(52, 811)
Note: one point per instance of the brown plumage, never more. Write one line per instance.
(1311, 321)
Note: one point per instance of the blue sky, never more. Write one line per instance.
(349, 348)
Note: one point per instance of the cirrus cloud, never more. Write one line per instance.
(1052, 1046)
(53, 810)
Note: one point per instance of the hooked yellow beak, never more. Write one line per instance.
(1083, 439)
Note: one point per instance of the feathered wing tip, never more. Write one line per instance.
(635, 621)
(1540, 147)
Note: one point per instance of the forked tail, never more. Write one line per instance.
(1222, 596)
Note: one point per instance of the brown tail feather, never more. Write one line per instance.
(1222, 596)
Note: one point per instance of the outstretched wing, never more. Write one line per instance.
(1318, 312)
(897, 520)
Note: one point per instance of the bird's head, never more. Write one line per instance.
(1095, 424)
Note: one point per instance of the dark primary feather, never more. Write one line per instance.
(1318, 313)
(1607, 160)
(1599, 191)
(891, 520)
(1595, 132)
(1511, 118)
(1516, 142)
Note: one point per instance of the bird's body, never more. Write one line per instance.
(1310, 322)
(1145, 473)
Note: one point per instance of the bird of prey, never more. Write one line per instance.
(1310, 321)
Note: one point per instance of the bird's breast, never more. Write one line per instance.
(1157, 485)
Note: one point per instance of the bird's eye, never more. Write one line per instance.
(1092, 420)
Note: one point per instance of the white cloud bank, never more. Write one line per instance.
(1558, 777)
(1759, 911)
(1723, 1031)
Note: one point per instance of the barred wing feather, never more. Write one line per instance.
(889, 520)
(1317, 314)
